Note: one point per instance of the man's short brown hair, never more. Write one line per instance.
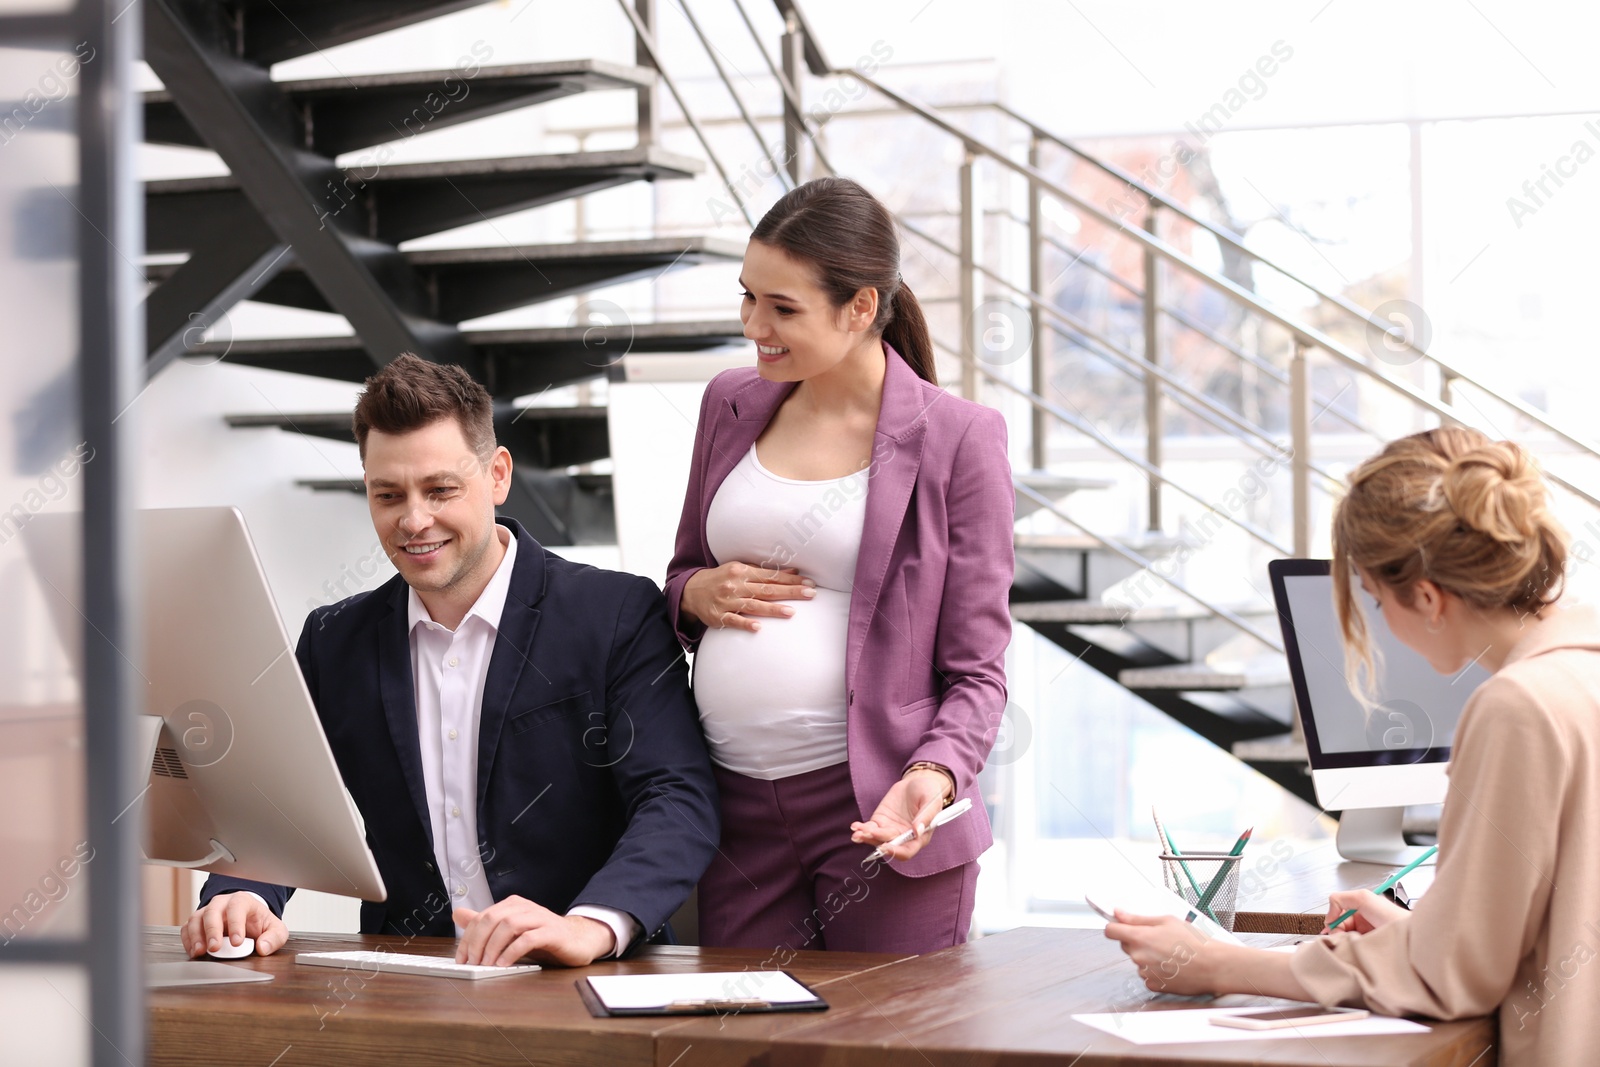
(411, 393)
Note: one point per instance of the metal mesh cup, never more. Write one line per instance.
(1203, 868)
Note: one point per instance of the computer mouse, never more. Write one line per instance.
(229, 951)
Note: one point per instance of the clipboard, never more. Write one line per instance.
(699, 993)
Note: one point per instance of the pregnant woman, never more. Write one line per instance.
(841, 573)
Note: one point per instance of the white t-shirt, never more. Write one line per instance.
(773, 703)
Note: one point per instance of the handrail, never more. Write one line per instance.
(973, 144)
(1183, 319)
(1197, 405)
(1148, 565)
(648, 39)
(790, 94)
(1174, 313)
(1447, 369)
(1175, 388)
(1085, 427)
(818, 67)
(1303, 336)
(1237, 243)
(1308, 335)
(716, 64)
(1226, 236)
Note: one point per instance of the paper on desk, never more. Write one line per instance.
(625, 992)
(1193, 1025)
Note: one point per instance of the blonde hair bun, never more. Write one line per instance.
(1495, 489)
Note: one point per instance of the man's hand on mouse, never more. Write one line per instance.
(233, 917)
(510, 929)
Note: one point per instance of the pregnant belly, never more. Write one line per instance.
(790, 673)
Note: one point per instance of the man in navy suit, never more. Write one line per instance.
(517, 730)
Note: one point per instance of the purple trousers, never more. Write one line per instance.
(788, 878)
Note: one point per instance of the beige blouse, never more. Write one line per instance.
(1513, 916)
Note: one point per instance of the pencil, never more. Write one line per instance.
(1166, 839)
(1388, 883)
(1221, 876)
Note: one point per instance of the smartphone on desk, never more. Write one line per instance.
(1281, 1018)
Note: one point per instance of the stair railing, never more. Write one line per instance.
(799, 46)
(1304, 337)
(649, 55)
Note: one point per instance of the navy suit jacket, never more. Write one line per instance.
(594, 786)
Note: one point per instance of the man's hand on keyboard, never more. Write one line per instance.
(510, 929)
(227, 914)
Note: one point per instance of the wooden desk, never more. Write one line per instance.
(1007, 1001)
(1003, 1000)
(318, 1017)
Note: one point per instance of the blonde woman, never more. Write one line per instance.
(1450, 533)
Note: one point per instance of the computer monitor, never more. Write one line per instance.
(242, 780)
(1367, 764)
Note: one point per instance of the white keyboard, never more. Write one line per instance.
(403, 963)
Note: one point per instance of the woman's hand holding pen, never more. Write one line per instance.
(735, 593)
(910, 803)
(1371, 910)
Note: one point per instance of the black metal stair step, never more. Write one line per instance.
(516, 362)
(270, 31)
(334, 115)
(550, 438)
(467, 283)
(403, 201)
(1079, 567)
(1200, 676)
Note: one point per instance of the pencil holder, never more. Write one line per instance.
(1191, 876)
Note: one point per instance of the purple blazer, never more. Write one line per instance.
(929, 615)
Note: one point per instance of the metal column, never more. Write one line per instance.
(1152, 355)
(649, 112)
(111, 363)
(971, 220)
(1300, 441)
(1039, 372)
(793, 47)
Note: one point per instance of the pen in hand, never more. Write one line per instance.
(960, 807)
(1388, 883)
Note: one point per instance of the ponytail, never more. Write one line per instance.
(907, 333)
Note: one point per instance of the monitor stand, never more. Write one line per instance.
(150, 730)
(1373, 835)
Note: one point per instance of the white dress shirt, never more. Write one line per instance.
(449, 669)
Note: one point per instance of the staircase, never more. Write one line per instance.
(290, 226)
(1166, 351)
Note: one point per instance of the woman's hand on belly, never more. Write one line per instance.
(737, 594)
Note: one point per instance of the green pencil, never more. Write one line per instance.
(1173, 849)
(1388, 883)
(1217, 879)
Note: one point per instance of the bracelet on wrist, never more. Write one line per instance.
(925, 765)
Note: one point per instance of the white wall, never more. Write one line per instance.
(652, 439)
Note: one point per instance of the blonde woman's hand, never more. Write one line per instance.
(738, 594)
(1171, 955)
(1372, 911)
